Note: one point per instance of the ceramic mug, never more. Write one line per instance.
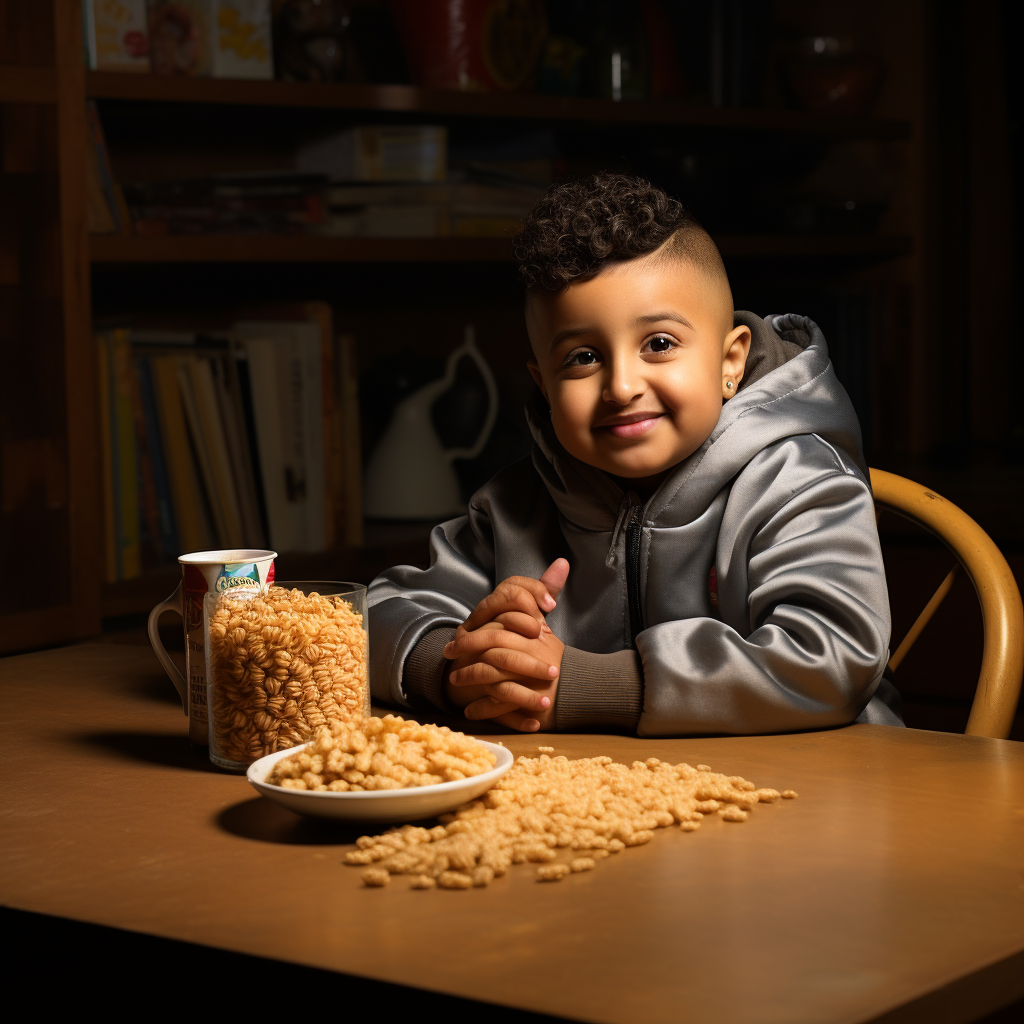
(203, 572)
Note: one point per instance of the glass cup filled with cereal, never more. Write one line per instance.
(280, 662)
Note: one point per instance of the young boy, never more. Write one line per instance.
(692, 548)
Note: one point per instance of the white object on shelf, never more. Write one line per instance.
(384, 805)
(410, 474)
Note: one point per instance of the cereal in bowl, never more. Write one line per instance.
(381, 753)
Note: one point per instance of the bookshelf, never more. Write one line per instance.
(43, 89)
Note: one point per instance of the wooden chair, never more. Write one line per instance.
(1002, 660)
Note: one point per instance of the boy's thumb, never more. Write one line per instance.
(555, 576)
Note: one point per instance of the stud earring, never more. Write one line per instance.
(729, 384)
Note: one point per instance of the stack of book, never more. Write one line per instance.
(243, 438)
(246, 204)
(467, 209)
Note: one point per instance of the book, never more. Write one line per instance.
(242, 45)
(168, 545)
(116, 35)
(221, 481)
(181, 37)
(201, 449)
(149, 512)
(409, 152)
(262, 372)
(99, 157)
(225, 382)
(195, 532)
(298, 391)
(107, 461)
(124, 470)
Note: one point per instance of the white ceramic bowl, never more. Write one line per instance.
(385, 805)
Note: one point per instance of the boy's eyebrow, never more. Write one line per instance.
(653, 318)
(650, 318)
(569, 332)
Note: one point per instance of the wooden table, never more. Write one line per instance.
(892, 889)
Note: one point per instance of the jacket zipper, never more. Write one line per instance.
(633, 534)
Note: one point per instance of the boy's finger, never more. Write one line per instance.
(487, 707)
(521, 623)
(517, 593)
(520, 720)
(521, 696)
(480, 673)
(555, 575)
(519, 663)
(479, 640)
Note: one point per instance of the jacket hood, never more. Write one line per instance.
(789, 388)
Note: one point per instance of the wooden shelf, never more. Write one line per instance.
(312, 249)
(451, 103)
(294, 249)
(27, 85)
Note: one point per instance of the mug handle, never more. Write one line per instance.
(172, 604)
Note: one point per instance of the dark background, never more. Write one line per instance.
(890, 217)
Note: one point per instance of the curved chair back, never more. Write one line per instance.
(1002, 660)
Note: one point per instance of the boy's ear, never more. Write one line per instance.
(534, 367)
(735, 350)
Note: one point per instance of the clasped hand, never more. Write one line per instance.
(504, 659)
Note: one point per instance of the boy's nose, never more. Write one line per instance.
(623, 386)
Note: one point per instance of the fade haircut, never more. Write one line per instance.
(579, 227)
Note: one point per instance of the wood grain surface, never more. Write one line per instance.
(892, 889)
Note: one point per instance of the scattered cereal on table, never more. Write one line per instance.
(552, 872)
(455, 880)
(789, 794)
(733, 814)
(545, 805)
(376, 877)
(546, 750)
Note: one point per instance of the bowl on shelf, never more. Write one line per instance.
(381, 806)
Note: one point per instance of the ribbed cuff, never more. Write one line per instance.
(423, 675)
(599, 690)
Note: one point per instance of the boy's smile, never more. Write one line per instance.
(635, 363)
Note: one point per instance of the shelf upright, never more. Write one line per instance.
(50, 509)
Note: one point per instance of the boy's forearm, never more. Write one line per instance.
(423, 676)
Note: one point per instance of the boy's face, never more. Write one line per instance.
(635, 363)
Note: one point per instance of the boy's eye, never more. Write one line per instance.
(660, 344)
(584, 357)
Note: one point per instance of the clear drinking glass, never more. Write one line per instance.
(280, 662)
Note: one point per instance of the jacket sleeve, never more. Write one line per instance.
(405, 603)
(804, 630)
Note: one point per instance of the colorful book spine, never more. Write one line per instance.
(107, 460)
(194, 530)
(168, 545)
(124, 471)
(199, 448)
(100, 161)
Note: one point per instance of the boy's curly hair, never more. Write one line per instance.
(579, 227)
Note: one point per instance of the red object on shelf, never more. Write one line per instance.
(472, 45)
